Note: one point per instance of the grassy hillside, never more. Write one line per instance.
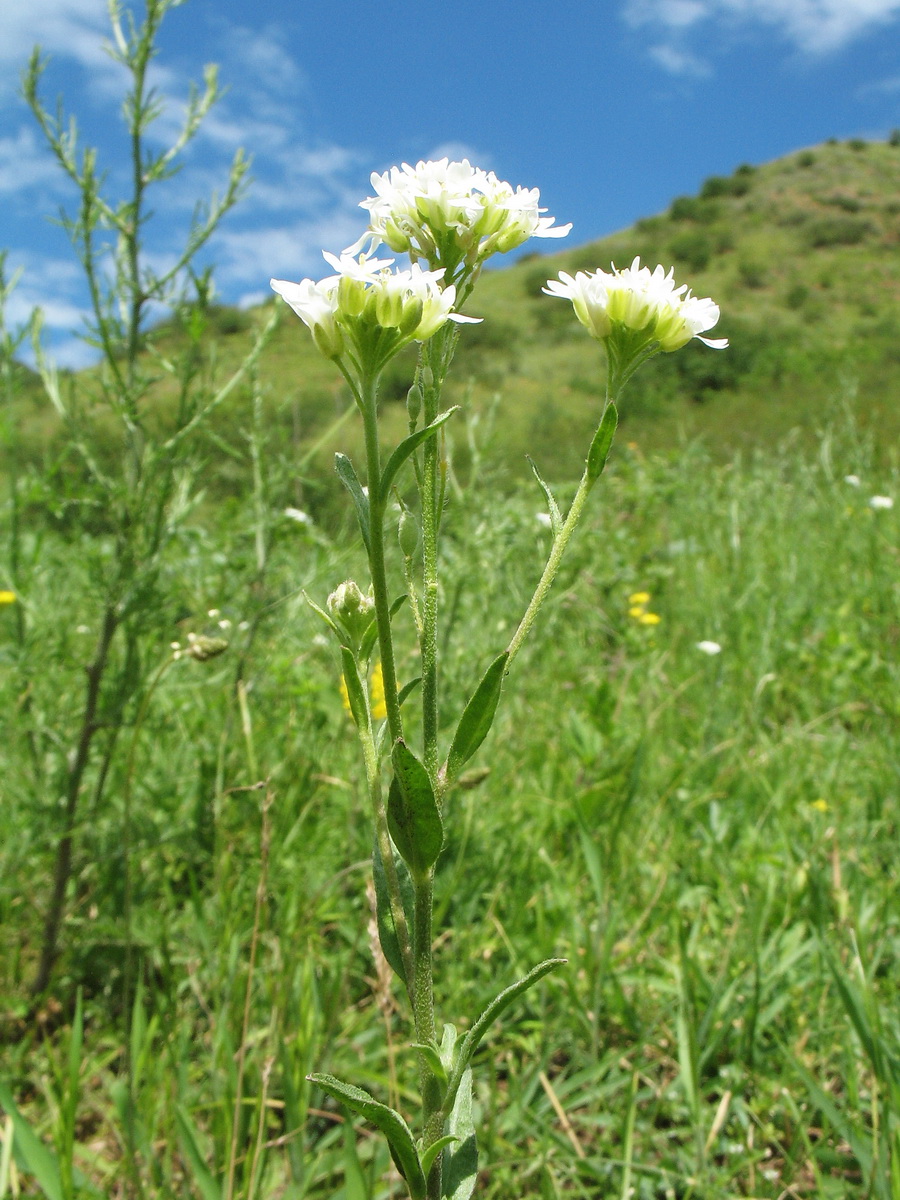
(801, 255)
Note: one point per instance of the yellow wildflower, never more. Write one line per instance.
(7, 597)
(639, 598)
(649, 618)
(820, 805)
(376, 691)
(376, 694)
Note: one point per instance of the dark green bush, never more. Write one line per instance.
(725, 185)
(837, 231)
(693, 247)
(688, 208)
(805, 158)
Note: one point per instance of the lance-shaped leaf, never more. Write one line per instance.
(387, 933)
(461, 1163)
(556, 521)
(414, 819)
(471, 1041)
(367, 642)
(477, 718)
(349, 479)
(391, 1124)
(599, 450)
(356, 695)
(407, 446)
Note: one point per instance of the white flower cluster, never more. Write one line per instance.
(364, 297)
(641, 301)
(452, 214)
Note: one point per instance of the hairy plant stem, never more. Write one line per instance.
(616, 379)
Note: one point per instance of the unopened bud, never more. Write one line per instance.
(202, 648)
(351, 610)
(408, 533)
(414, 403)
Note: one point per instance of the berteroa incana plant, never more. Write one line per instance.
(448, 217)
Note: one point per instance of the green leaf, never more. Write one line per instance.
(472, 1040)
(414, 819)
(30, 1152)
(599, 450)
(428, 1156)
(556, 521)
(349, 479)
(356, 695)
(461, 1164)
(387, 934)
(367, 641)
(407, 690)
(200, 1172)
(391, 1124)
(477, 718)
(407, 446)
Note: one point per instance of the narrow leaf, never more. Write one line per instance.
(391, 1124)
(477, 718)
(599, 450)
(200, 1172)
(472, 1040)
(387, 934)
(429, 1155)
(556, 521)
(349, 479)
(461, 1163)
(414, 820)
(408, 689)
(356, 695)
(30, 1152)
(407, 446)
(367, 641)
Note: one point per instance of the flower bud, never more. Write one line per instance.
(408, 533)
(414, 403)
(351, 611)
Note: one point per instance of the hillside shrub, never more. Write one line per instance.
(687, 208)
(693, 247)
(837, 231)
(805, 159)
(724, 185)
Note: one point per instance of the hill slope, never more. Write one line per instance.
(802, 254)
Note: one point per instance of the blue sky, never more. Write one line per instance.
(611, 107)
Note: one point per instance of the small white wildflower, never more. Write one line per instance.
(638, 300)
(881, 502)
(244, 626)
(174, 645)
(710, 648)
(213, 613)
(224, 623)
(544, 519)
(82, 629)
(298, 515)
(853, 480)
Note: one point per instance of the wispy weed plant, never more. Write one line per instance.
(129, 472)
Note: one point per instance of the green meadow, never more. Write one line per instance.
(709, 839)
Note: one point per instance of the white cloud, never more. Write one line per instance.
(678, 61)
(75, 29)
(25, 162)
(811, 26)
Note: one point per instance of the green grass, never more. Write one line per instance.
(710, 841)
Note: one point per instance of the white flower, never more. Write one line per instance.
(853, 480)
(366, 296)
(544, 519)
(452, 214)
(710, 648)
(298, 515)
(881, 502)
(639, 301)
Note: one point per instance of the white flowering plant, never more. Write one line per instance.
(451, 217)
